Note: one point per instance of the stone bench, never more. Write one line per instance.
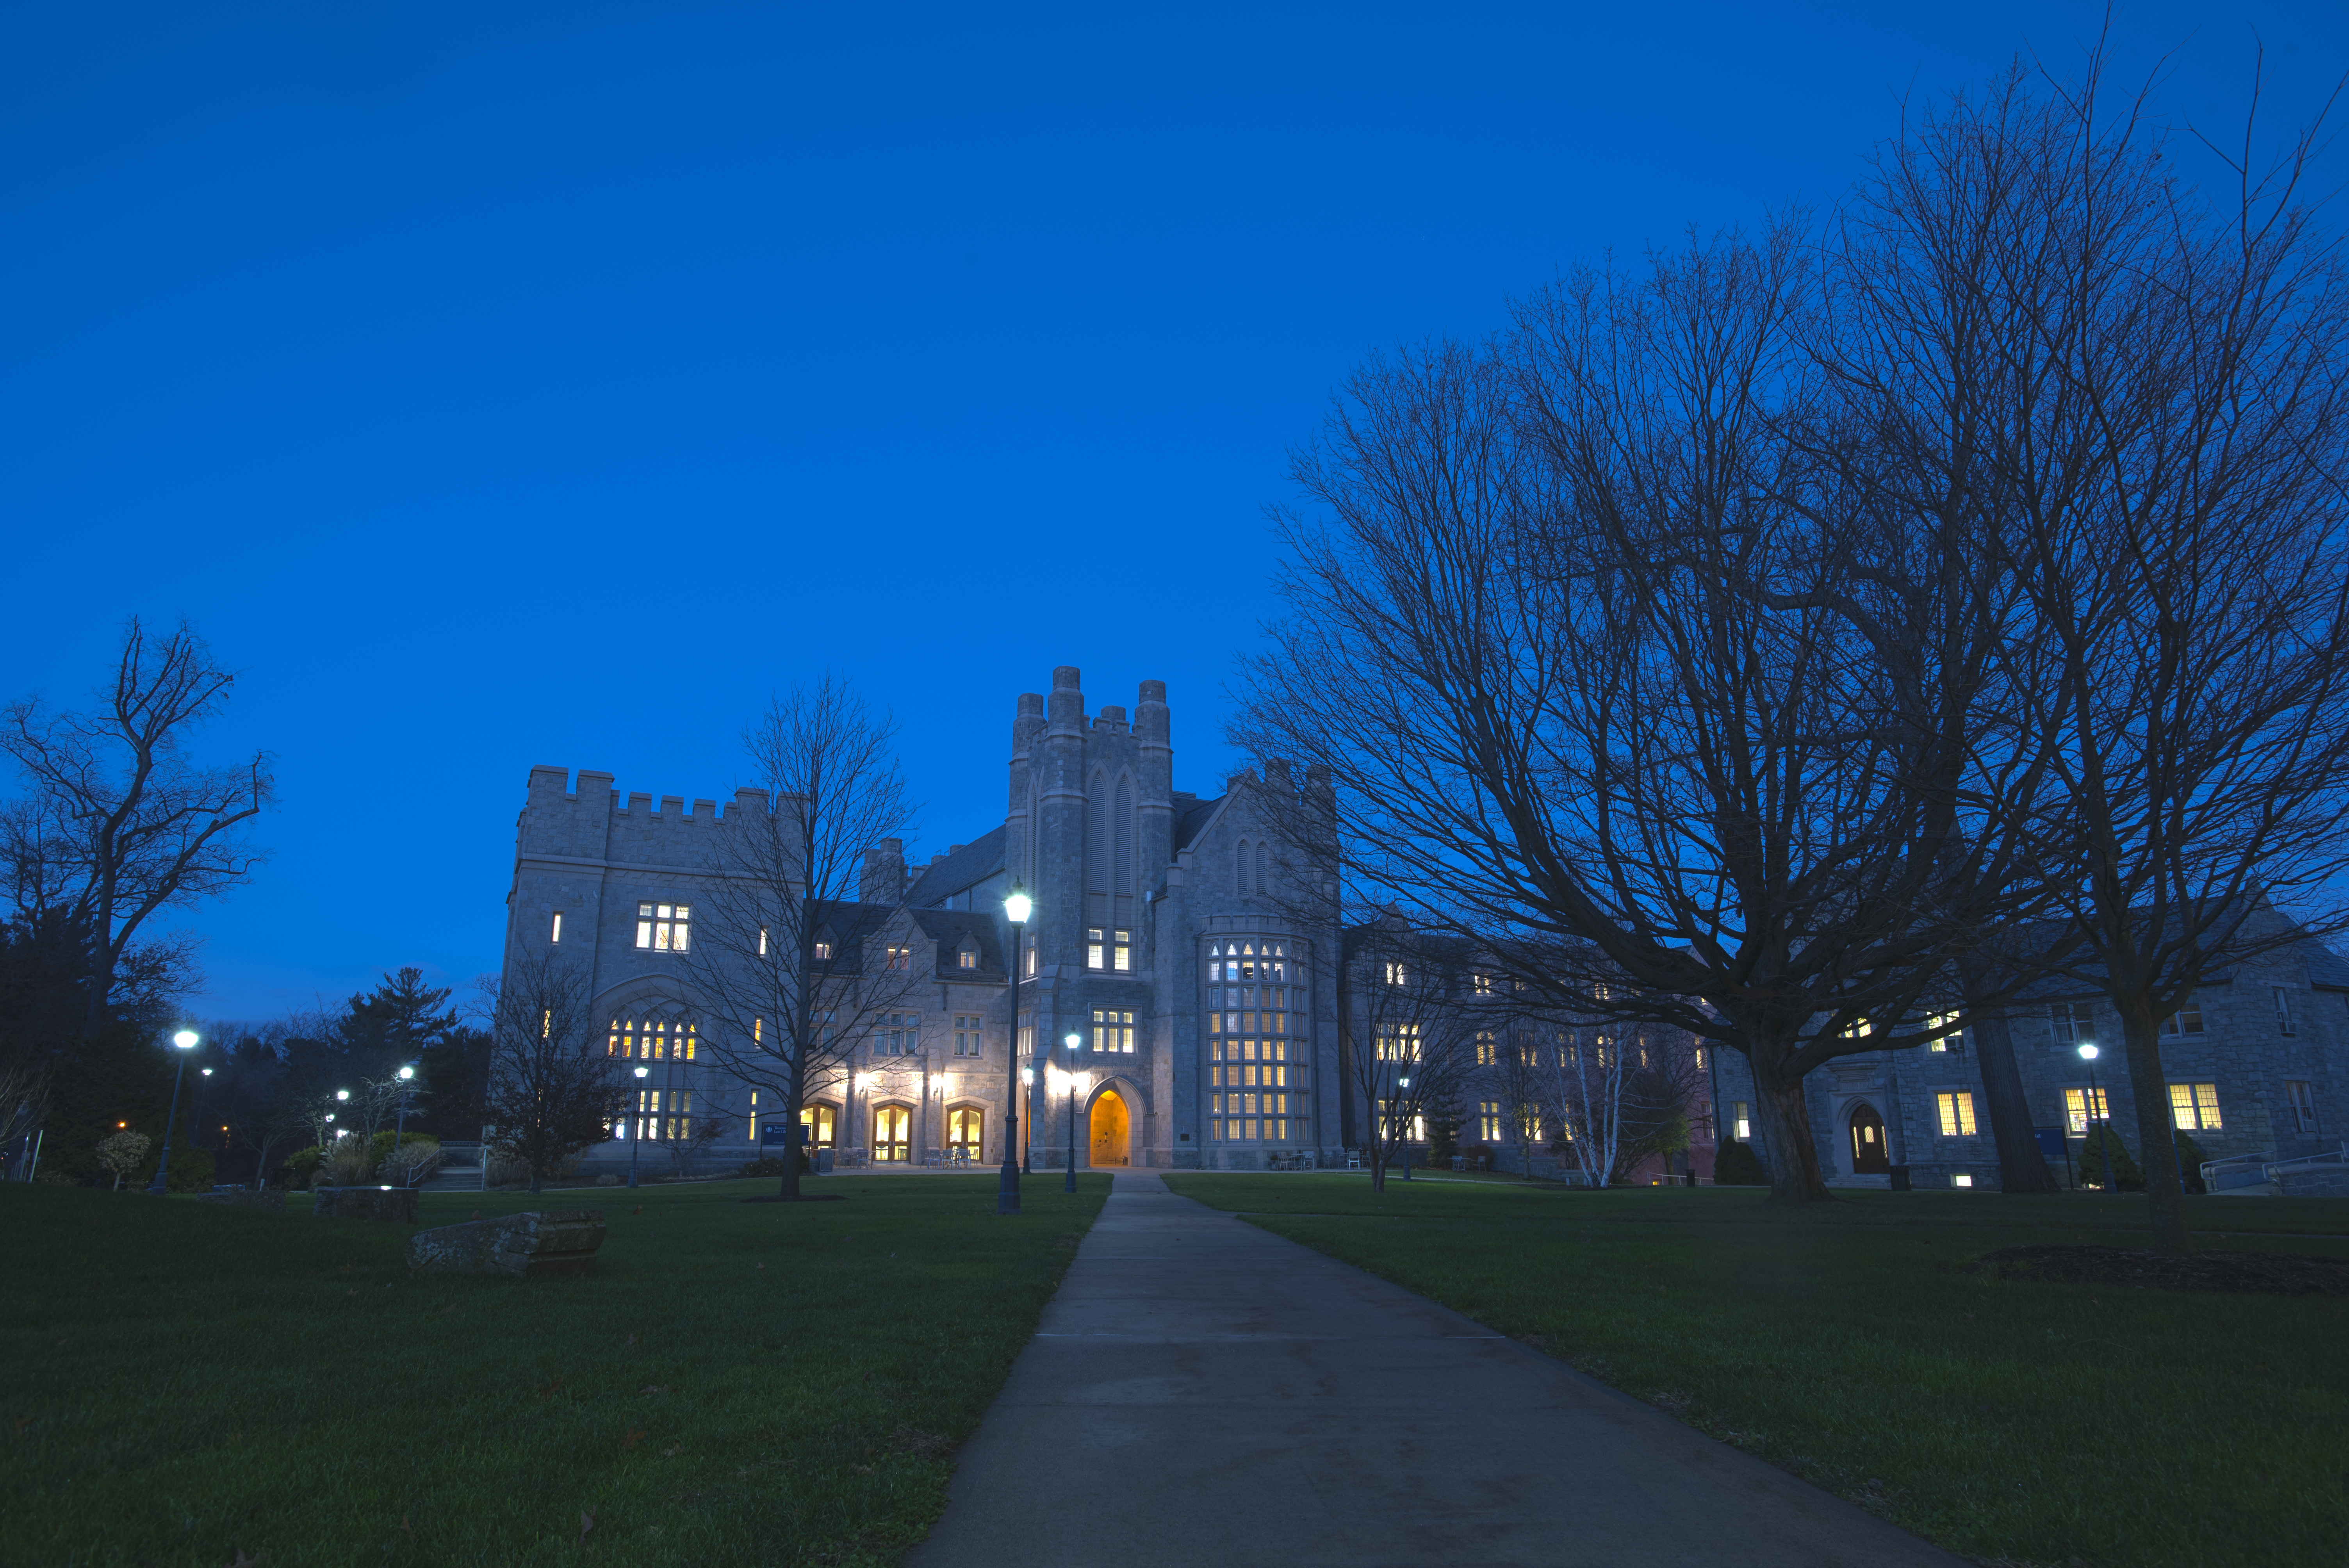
(524, 1246)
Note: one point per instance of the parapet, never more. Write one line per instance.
(581, 823)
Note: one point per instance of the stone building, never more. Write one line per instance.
(1166, 936)
(2254, 1063)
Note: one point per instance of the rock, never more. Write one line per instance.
(270, 1200)
(396, 1204)
(525, 1246)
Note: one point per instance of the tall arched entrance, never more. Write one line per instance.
(1870, 1156)
(1110, 1127)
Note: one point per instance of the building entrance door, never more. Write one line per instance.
(1110, 1127)
(1869, 1154)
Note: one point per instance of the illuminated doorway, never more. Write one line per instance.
(1109, 1126)
(819, 1122)
(1869, 1154)
(889, 1127)
(966, 1124)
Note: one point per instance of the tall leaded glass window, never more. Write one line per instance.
(1255, 1025)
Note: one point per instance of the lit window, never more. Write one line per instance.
(965, 1126)
(1858, 1029)
(1486, 1052)
(557, 935)
(674, 1123)
(1396, 1043)
(1482, 984)
(1745, 1122)
(1943, 1027)
(2195, 1107)
(1395, 975)
(1699, 1059)
(900, 957)
(2283, 1010)
(823, 952)
(2081, 1105)
(763, 942)
(818, 1120)
(754, 1116)
(1489, 1120)
(967, 1035)
(1957, 1112)
(1112, 1030)
(966, 958)
(1253, 1066)
(1121, 951)
(662, 926)
(650, 1040)
(1031, 956)
(2301, 1095)
(1095, 957)
(2187, 1020)
(1962, 1179)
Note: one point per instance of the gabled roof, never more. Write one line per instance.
(967, 867)
(1193, 816)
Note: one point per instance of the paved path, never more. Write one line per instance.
(1206, 1394)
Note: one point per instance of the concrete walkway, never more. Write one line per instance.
(1203, 1393)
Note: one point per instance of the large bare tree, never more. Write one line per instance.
(2159, 382)
(1619, 671)
(793, 959)
(1406, 1034)
(118, 824)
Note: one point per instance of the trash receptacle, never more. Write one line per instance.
(1900, 1179)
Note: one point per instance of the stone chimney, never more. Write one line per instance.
(883, 880)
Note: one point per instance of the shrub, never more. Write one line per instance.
(2189, 1163)
(771, 1165)
(1735, 1164)
(411, 1164)
(302, 1165)
(122, 1153)
(346, 1164)
(503, 1169)
(2128, 1177)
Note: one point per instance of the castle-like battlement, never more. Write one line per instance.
(594, 823)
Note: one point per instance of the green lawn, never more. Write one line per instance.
(770, 1383)
(2008, 1421)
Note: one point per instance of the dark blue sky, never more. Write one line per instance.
(502, 385)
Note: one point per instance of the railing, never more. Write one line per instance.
(2236, 1170)
(2331, 1160)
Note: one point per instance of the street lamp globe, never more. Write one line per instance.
(342, 1094)
(1028, 1077)
(406, 1073)
(206, 1071)
(2087, 1052)
(1017, 907)
(184, 1039)
(1072, 1039)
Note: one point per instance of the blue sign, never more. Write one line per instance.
(2051, 1142)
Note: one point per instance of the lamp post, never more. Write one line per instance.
(399, 1127)
(1402, 1126)
(186, 1040)
(636, 1125)
(1017, 907)
(2095, 1104)
(1074, 1041)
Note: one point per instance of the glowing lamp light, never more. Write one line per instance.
(1018, 907)
(1028, 1077)
(2087, 1052)
(184, 1039)
(644, 1072)
(405, 1074)
(342, 1094)
(206, 1071)
(1073, 1040)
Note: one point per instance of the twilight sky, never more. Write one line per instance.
(499, 385)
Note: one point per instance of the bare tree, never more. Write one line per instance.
(119, 825)
(1406, 1033)
(1617, 673)
(554, 1088)
(2171, 434)
(793, 958)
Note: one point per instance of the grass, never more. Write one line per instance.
(779, 1383)
(2009, 1421)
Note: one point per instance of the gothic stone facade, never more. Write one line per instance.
(2255, 1064)
(1166, 936)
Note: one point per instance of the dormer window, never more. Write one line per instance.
(661, 927)
(822, 952)
(967, 958)
(900, 957)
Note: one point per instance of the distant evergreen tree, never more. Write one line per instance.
(1735, 1164)
(2128, 1177)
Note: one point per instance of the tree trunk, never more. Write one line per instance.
(790, 1186)
(2149, 1089)
(2020, 1167)
(1794, 1177)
